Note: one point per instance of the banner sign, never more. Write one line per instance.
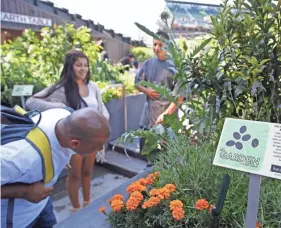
(25, 19)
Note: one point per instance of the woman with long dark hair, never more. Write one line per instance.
(74, 90)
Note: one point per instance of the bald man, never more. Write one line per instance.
(83, 132)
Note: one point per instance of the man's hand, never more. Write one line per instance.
(160, 118)
(37, 191)
(152, 93)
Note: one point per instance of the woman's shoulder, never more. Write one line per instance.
(93, 85)
(58, 90)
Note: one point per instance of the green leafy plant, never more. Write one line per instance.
(142, 53)
(104, 71)
(153, 205)
(190, 168)
(30, 60)
(233, 73)
(39, 62)
(238, 75)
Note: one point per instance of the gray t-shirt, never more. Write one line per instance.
(161, 73)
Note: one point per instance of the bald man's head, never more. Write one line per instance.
(87, 130)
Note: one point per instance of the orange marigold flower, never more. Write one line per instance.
(178, 213)
(164, 193)
(134, 201)
(161, 193)
(135, 187)
(171, 187)
(156, 174)
(137, 196)
(116, 197)
(175, 204)
(149, 180)
(102, 209)
(117, 205)
(154, 192)
(151, 202)
(142, 181)
(258, 224)
(201, 204)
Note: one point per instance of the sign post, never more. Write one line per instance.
(252, 147)
(21, 91)
(253, 200)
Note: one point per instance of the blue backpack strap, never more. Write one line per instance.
(10, 213)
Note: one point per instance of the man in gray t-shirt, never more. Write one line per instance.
(161, 71)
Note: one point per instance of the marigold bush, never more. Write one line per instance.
(150, 203)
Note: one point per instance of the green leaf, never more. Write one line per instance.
(200, 47)
(219, 75)
(147, 31)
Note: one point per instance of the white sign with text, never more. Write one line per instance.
(250, 146)
(22, 90)
(25, 19)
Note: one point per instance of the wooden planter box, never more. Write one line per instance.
(135, 104)
(116, 109)
(117, 118)
(90, 217)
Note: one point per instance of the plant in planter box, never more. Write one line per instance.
(152, 205)
(112, 93)
(155, 139)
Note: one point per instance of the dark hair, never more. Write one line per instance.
(68, 80)
(163, 34)
(130, 55)
(136, 64)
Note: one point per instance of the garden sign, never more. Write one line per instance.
(21, 91)
(253, 147)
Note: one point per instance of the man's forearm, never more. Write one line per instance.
(141, 88)
(14, 190)
(173, 107)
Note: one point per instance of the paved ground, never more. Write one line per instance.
(103, 182)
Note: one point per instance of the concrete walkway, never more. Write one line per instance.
(103, 182)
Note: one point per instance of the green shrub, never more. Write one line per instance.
(39, 62)
(239, 74)
(142, 53)
(190, 169)
(30, 60)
